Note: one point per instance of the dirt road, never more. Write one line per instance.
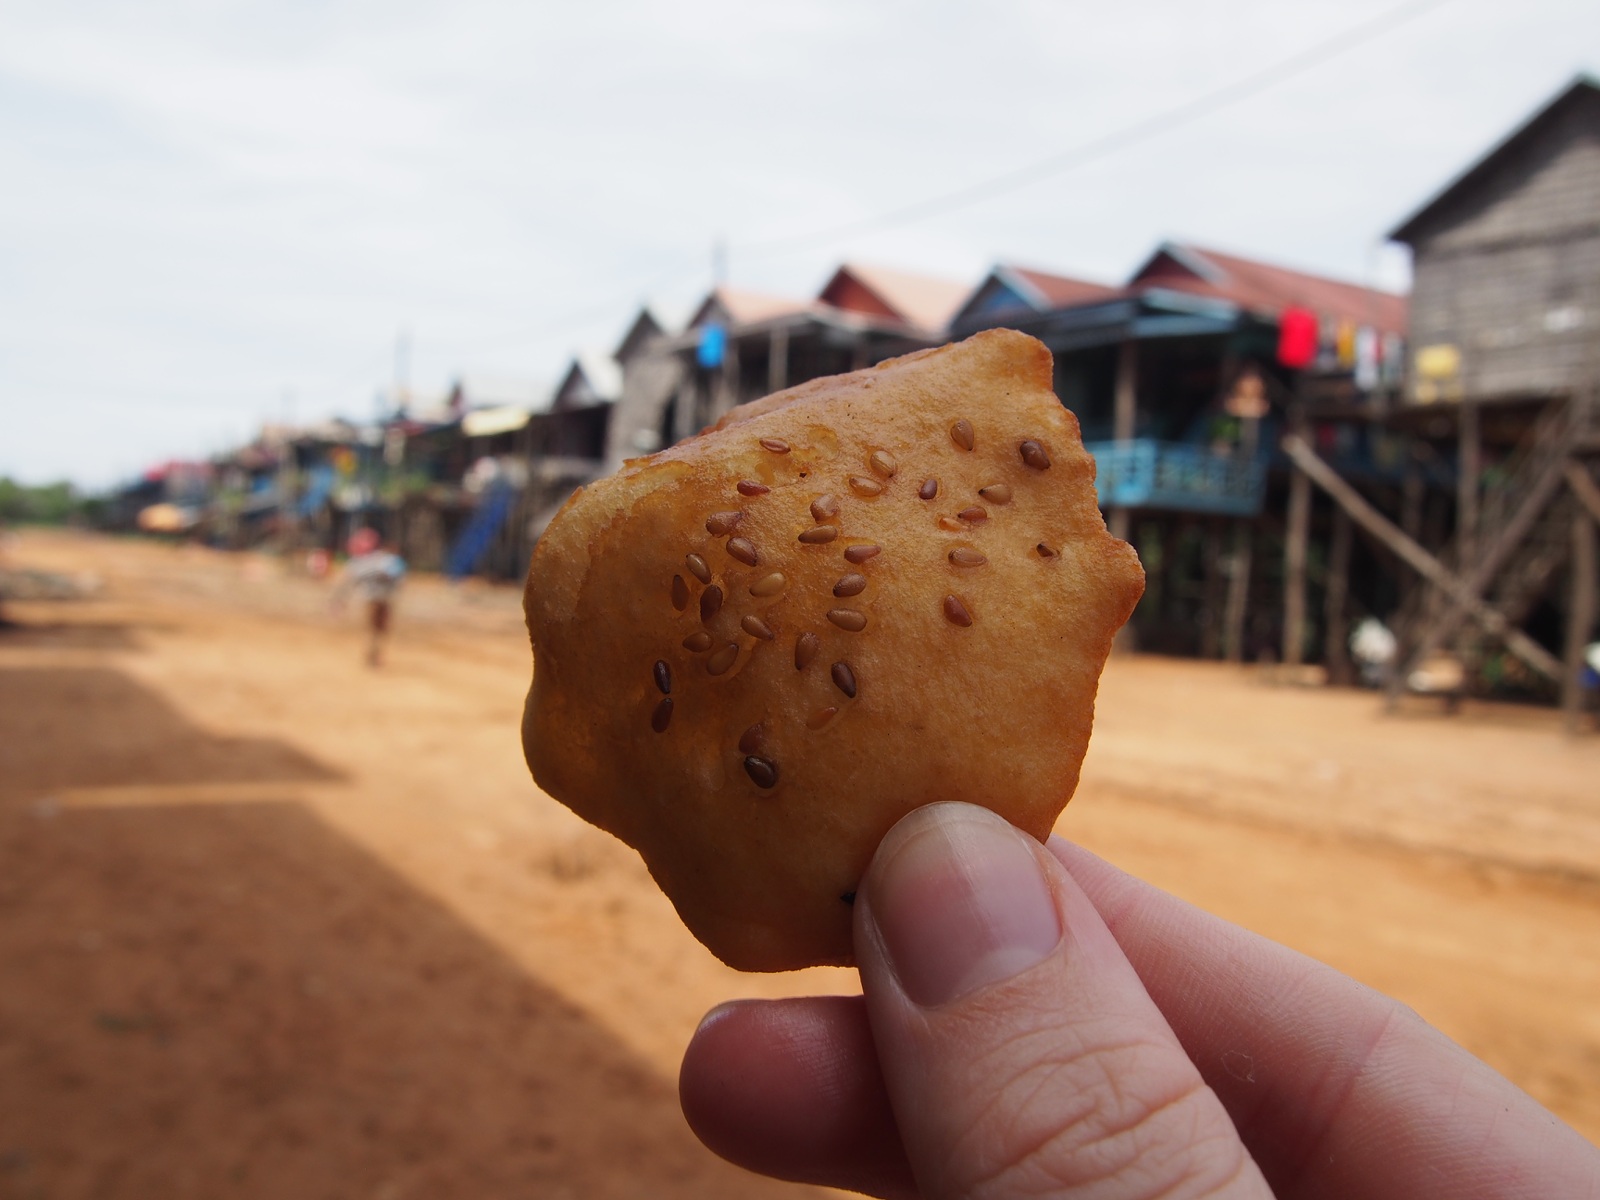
(272, 924)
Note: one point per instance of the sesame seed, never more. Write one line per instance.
(863, 486)
(825, 508)
(776, 445)
(744, 550)
(929, 489)
(680, 593)
(956, 612)
(697, 642)
(850, 585)
(750, 741)
(756, 627)
(974, 515)
(663, 674)
(749, 487)
(996, 493)
(805, 649)
(768, 585)
(1034, 455)
(763, 772)
(961, 434)
(961, 556)
(882, 463)
(950, 523)
(821, 717)
(710, 602)
(721, 524)
(662, 717)
(860, 554)
(844, 679)
(848, 619)
(1045, 551)
(698, 568)
(848, 897)
(719, 662)
(819, 534)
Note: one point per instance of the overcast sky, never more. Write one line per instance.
(214, 213)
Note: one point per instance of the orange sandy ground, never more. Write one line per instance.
(273, 924)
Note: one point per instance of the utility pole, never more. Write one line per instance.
(400, 398)
(719, 261)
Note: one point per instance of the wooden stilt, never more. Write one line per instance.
(778, 361)
(1296, 538)
(729, 383)
(1124, 418)
(1466, 595)
(1238, 592)
(1583, 486)
(1336, 647)
(1411, 493)
(685, 414)
(1580, 617)
(1469, 465)
(1215, 580)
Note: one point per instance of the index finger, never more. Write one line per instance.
(1335, 1089)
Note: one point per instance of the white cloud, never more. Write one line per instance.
(209, 206)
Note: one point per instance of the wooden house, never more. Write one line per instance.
(739, 345)
(1179, 384)
(1504, 371)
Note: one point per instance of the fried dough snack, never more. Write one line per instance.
(757, 650)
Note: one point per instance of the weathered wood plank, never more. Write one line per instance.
(1584, 487)
(1580, 617)
(1418, 559)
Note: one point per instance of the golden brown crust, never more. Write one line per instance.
(969, 677)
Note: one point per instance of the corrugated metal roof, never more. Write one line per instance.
(1054, 291)
(924, 302)
(1266, 289)
(1582, 90)
(743, 307)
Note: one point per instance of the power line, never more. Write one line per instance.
(1107, 144)
(1081, 155)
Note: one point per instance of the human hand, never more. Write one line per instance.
(1035, 1022)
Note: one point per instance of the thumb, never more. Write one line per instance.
(1022, 1055)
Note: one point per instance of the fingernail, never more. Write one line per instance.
(959, 902)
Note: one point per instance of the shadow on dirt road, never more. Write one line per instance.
(215, 998)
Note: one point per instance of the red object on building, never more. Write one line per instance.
(1297, 337)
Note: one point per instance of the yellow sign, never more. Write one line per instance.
(1439, 361)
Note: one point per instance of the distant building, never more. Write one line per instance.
(1180, 386)
(739, 345)
(1505, 302)
(1504, 371)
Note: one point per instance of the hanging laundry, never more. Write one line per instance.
(1344, 344)
(713, 345)
(1297, 338)
(1394, 358)
(1328, 345)
(1367, 358)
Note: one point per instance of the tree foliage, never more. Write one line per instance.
(42, 504)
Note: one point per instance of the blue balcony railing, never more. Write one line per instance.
(1144, 473)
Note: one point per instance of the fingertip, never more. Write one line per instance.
(792, 1089)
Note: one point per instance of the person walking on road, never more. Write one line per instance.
(375, 572)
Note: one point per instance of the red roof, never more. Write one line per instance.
(1267, 289)
(746, 308)
(1059, 291)
(923, 302)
